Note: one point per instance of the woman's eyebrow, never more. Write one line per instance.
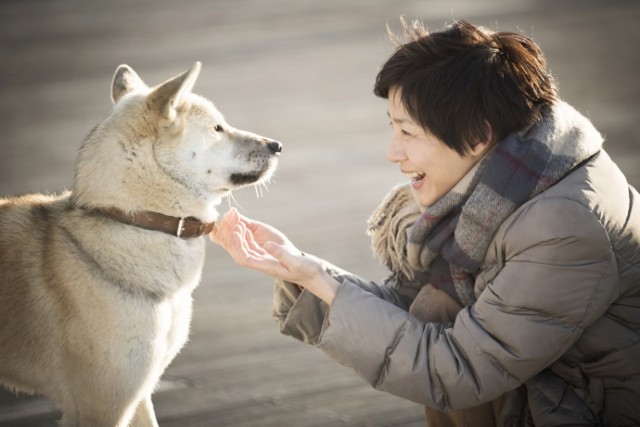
(397, 120)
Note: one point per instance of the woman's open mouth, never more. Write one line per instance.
(417, 178)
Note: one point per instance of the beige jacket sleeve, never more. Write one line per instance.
(301, 315)
(558, 277)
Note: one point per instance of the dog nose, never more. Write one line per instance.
(275, 147)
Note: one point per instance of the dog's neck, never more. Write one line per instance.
(96, 189)
(185, 228)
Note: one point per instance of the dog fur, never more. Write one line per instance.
(93, 310)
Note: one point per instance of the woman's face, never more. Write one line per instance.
(433, 168)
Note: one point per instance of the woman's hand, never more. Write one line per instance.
(263, 248)
(261, 233)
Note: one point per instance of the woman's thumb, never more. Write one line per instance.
(282, 253)
(275, 250)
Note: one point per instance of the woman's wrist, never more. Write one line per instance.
(322, 285)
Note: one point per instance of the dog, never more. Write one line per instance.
(96, 282)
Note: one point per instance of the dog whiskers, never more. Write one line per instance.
(260, 189)
(231, 198)
(263, 186)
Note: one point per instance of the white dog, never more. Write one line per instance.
(96, 283)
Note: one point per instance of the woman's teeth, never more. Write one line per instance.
(416, 176)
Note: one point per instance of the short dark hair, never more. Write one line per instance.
(456, 81)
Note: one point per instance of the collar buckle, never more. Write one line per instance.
(180, 228)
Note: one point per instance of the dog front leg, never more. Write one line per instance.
(145, 415)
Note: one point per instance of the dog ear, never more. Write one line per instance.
(167, 97)
(125, 80)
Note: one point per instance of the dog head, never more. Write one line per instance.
(168, 150)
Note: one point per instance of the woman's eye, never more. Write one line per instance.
(218, 128)
(405, 133)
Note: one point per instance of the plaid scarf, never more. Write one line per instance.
(449, 239)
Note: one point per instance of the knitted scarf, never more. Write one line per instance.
(449, 239)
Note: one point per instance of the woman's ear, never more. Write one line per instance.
(481, 147)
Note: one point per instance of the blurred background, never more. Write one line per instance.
(301, 72)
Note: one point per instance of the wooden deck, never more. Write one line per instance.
(301, 72)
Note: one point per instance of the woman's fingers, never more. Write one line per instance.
(252, 247)
(233, 235)
(252, 243)
(236, 235)
(245, 256)
(221, 232)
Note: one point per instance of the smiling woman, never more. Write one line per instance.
(433, 167)
(435, 147)
(514, 249)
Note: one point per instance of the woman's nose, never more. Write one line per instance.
(395, 152)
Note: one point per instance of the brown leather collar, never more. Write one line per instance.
(184, 228)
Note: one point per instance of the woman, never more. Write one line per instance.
(514, 249)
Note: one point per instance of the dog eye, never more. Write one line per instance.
(218, 128)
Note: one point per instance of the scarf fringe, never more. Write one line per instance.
(388, 227)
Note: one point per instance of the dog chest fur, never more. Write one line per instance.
(150, 276)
